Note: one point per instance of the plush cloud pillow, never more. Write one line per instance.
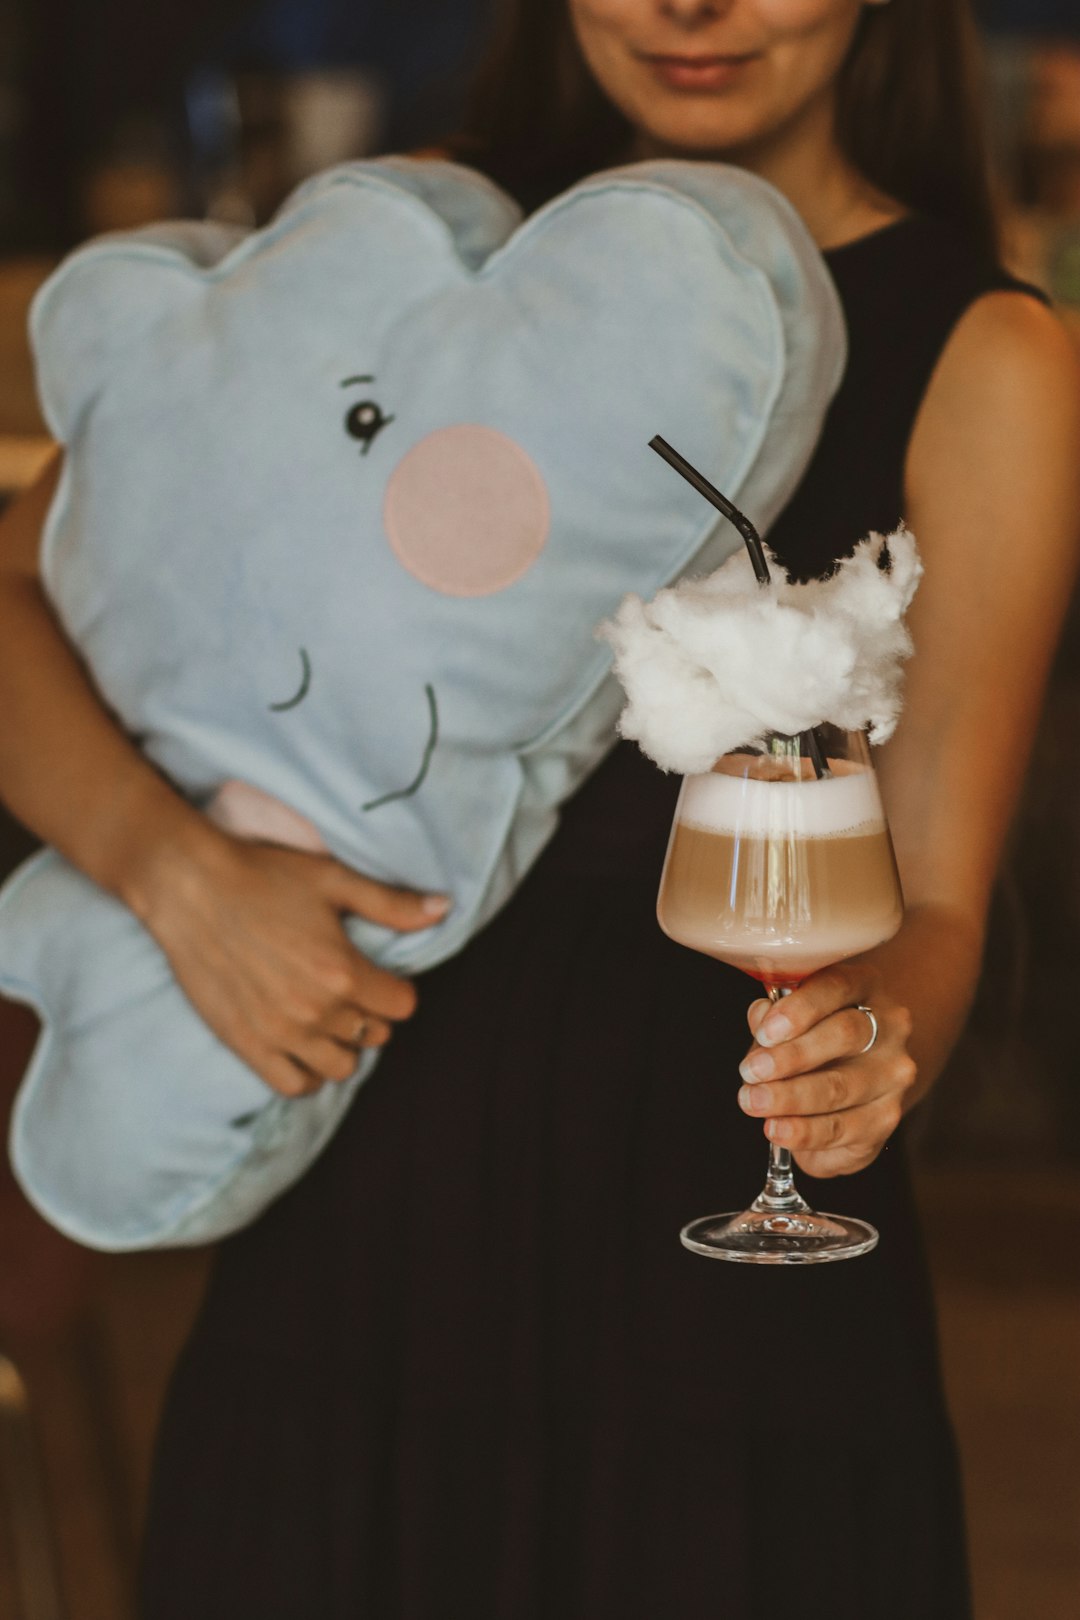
(344, 501)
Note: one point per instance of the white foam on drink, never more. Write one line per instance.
(842, 806)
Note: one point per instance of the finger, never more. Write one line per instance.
(327, 1060)
(377, 1033)
(865, 1127)
(828, 1090)
(844, 985)
(843, 1161)
(842, 1035)
(287, 1077)
(357, 1029)
(382, 993)
(400, 909)
(338, 986)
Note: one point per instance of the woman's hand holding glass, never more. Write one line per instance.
(809, 1075)
(255, 938)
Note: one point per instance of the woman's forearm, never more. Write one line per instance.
(932, 968)
(68, 771)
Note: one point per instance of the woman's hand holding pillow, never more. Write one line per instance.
(254, 935)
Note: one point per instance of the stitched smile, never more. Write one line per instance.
(305, 687)
(418, 781)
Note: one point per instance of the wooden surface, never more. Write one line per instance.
(24, 447)
(1005, 1247)
(19, 414)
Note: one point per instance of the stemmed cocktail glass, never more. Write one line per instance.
(780, 863)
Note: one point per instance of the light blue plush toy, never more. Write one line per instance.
(343, 503)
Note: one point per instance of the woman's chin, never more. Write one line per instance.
(704, 138)
(695, 126)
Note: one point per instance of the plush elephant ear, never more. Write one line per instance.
(479, 216)
(106, 299)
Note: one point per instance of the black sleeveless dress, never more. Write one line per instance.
(465, 1370)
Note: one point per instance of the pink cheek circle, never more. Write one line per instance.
(467, 511)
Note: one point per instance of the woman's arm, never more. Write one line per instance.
(253, 932)
(994, 498)
(66, 769)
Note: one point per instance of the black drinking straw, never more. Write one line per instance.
(740, 521)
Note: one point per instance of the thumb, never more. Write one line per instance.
(401, 909)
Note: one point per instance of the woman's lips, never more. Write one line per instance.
(699, 72)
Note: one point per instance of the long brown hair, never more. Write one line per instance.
(910, 112)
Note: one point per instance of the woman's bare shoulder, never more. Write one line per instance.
(1004, 400)
(1009, 351)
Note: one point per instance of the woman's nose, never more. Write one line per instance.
(467, 511)
(691, 12)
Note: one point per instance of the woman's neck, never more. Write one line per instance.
(804, 161)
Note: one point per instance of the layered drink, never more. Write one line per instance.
(777, 871)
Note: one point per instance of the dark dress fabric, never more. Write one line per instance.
(465, 1370)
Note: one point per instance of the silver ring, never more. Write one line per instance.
(873, 1028)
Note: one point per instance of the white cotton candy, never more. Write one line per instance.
(714, 664)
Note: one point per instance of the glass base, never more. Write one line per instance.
(796, 1237)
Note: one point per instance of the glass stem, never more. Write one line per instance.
(780, 1193)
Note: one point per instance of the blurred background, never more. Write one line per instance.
(114, 112)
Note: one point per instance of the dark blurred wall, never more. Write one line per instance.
(88, 68)
(1044, 18)
(424, 50)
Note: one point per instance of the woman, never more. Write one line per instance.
(465, 1368)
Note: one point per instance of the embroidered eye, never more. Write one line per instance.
(365, 422)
